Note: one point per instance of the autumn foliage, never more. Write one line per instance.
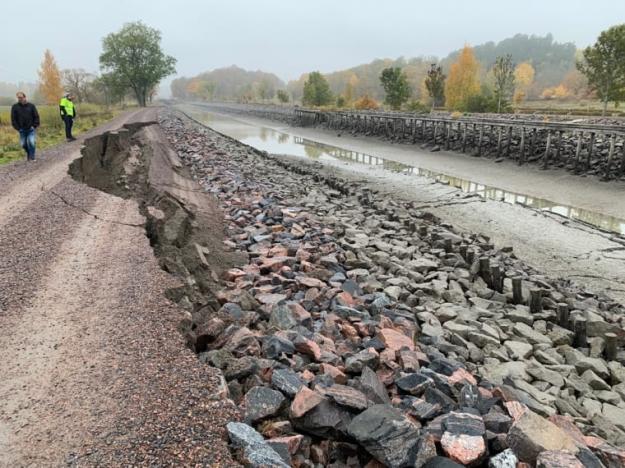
(463, 79)
(50, 85)
(523, 77)
(366, 103)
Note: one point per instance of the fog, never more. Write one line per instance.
(285, 37)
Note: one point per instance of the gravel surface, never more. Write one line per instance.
(94, 369)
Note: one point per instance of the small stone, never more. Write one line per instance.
(414, 384)
(518, 350)
(462, 448)
(256, 450)
(243, 343)
(395, 340)
(531, 335)
(307, 347)
(261, 403)
(305, 400)
(497, 422)
(557, 459)
(506, 459)
(464, 424)
(372, 386)
(347, 396)
(287, 381)
(338, 376)
(594, 381)
(367, 357)
(594, 364)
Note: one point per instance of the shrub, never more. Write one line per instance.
(366, 103)
(417, 106)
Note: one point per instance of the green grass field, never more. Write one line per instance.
(51, 131)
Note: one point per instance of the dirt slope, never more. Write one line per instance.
(94, 370)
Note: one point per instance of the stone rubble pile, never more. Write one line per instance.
(362, 332)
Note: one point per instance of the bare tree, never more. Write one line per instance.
(78, 82)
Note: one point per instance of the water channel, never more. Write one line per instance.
(276, 142)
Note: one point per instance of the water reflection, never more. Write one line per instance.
(273, 141)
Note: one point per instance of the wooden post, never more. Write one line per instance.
(448, 136)
(559, 146)
(580, 338)
(608, 166)
(509, 142)
(423, 129)
(578, 150)
(435, 132)
(610, 346)
(497, 278)
(591, 145)
(536, 301)
(532, 142)
(517, 290)
(479, 141)
(464, 141)
(470, 256)
(623, 159)
(423, 231)
(485, 271)
(414, 130)
(448, 245)
(563, 314)
(547, 149)
(499, 134)
(522, 147)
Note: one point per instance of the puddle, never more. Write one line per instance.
(273, 141)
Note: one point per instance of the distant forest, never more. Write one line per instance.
(553, 65)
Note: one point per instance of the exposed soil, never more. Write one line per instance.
(95, 371)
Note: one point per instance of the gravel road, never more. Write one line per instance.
(94, 370)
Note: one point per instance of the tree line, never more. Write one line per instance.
(132, 64)
(487, 78)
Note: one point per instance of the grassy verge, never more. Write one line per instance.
(51, 131)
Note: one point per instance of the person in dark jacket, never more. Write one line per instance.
(25, 119)
(68, 114)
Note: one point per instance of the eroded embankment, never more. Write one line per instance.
(184, 225)
(364, 322)
(359, 328)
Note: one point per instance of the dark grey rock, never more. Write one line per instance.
(256, 451)
(287, 381)
(261, 403)
(414, 384)
(274, 346)
(387, 435)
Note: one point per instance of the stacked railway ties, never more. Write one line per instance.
(579, 146)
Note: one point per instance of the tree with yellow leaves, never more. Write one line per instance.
(463, 80)
(523, 78)
(50, 85)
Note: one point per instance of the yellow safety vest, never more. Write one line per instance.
(68, 106)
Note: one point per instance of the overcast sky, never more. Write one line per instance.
(287, 37)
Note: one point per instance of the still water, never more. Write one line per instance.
(273, 141)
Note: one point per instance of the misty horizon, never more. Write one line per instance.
(205, 36)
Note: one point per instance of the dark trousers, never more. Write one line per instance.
(69, 123)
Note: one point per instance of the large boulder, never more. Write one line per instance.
(531, 434)
(387, 435)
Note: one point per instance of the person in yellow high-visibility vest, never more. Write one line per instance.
(68, 114)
